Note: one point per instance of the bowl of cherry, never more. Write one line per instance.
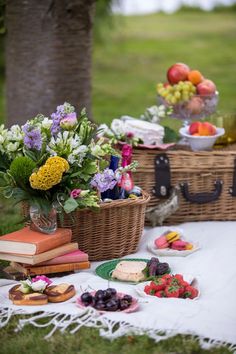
(108, 300)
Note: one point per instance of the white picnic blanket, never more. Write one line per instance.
(211, 318)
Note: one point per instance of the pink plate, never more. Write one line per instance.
(133, 307)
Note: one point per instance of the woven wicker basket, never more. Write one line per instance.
(200, 170)
(112, 232)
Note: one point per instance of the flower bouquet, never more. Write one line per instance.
(59, 169)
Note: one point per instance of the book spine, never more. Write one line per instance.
(49, 244)
(59, 268)
(66, 259)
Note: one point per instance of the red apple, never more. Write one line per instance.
(194, 127)
(177, 72)
(195, 105)
(206, 87)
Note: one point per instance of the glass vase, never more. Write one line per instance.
(43, 220)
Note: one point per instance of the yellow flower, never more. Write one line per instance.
(58, 162)
(49, 174)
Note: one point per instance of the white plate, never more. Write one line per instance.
(168, 252)
(139, 288)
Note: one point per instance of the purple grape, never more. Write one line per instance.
(86, 298)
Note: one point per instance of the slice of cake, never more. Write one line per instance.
(130, 271)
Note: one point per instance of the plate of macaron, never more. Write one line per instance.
(171, 242)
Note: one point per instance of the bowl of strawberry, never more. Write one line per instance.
(170, 286)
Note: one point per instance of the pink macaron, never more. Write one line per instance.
(161, 242)
(179, 245)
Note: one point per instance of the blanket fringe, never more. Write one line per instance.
(90, 318)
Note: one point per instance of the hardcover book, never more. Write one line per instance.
(30, 242)
(37, 258)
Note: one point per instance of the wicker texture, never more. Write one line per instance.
(112, 232)
(200, 169)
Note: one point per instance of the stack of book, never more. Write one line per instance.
(33, 253)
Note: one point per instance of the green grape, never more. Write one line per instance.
(177, 95)
(173, 100)
(164, 94)
(168, 98)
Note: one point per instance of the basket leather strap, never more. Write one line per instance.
(162, 176)
(232, 189)
(202, 198)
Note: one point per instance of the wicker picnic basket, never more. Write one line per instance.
(112, 232)
(207, 182)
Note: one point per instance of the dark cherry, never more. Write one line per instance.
(99, 295)
(124, 304)
(127, 298)
(112, 305)
(86, 298)
(100, 305)
(111, 291)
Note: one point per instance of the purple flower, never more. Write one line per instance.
(42, 277)
(75, 193)
(32, 138)
(104, 181)
(63, 111)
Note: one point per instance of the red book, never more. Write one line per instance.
(72, 257)
(30, 242)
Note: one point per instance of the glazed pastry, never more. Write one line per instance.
(32, 299)
(130, 271)
(60, 293)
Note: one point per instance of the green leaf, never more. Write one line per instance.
(70, 205)
(170, 135)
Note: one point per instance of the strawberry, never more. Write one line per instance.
(160, 293)
(172, 291)
(158, 284)
(190, 292)
(167, 277)
(179, 277)
(148, 289)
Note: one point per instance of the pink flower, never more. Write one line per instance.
(69, 122)
(43, 278)
(130, 135)
(75, 193)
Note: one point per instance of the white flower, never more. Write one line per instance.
(25, 286)
(46, 123)
(39, 285)
(103, 129)
(97, 151)
(12, 147)
(118, 127)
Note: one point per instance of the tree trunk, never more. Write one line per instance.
(48, 56)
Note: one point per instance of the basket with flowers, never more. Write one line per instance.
(59, 170)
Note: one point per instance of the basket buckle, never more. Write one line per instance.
(162, 186)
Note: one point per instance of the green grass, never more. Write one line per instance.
(138, 52)
(126, 68)
(87, 341)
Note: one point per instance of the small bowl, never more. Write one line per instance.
(199, 143)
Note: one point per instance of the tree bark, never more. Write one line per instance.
(48, 56)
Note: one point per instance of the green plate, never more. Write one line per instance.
(105, 270)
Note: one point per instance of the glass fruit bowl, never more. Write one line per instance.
(197, 107)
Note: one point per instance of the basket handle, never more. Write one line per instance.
(202, 198)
